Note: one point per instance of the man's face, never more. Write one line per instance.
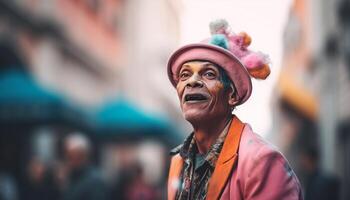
(75, 157)
(201, 92)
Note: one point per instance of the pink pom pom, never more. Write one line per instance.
(254, 60)
(238, 40)
(236, 46)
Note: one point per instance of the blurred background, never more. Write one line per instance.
(87, 111)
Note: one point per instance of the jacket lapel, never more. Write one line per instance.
(223, 168)
(226, 160)
(174, 176)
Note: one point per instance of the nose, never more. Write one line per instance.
(194, 81)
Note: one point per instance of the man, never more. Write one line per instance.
(318, 185)
(223, 158)
(84, 182)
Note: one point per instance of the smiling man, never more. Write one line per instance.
(223, 158)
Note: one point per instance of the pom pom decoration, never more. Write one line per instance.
(256, 63)
(219, 40)
(246, 38)
(219, 26)
(260, 73)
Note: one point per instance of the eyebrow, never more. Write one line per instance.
(205, 64)
(184, 68)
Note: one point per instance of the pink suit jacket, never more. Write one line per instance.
(261, 172)
(248, 168)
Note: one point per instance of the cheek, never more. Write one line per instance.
(219, 97)
(219, 86)
(217, 90)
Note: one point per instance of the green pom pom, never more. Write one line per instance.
(219, 40)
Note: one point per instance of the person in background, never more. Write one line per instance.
(318, 185)
(138, 188)
(41, 183)
(83, 182)
(223, 158)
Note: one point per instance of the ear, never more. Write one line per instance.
(233, 98)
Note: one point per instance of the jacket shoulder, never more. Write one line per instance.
(261, 165)
(253, 146)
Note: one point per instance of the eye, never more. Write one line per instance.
(184, 75)
(210, 74)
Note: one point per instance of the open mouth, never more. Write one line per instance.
(195, 97)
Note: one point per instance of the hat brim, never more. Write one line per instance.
(225, 59)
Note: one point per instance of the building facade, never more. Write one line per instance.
(312, 109)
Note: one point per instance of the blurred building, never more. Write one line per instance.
(92, 52)
(312, 109)
(71, 46)
(150, 34)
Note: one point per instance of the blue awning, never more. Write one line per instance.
(124, 120)
(23, 100)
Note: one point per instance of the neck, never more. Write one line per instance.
(206, 133)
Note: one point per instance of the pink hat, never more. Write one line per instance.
(229, 51)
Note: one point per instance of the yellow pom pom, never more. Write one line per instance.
(260, 72)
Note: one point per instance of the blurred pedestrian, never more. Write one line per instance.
(138, 188)
(84, 182)
(132, 185)
(318, 185)
(223, 158)
(41, 183)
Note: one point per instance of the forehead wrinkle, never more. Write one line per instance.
(200, 63)
(185, 65)
(208, 64)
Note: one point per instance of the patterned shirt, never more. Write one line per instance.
(197, 168)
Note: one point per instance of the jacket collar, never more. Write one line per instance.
(188, 147)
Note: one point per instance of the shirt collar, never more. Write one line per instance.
(183, 148)
(214, 151)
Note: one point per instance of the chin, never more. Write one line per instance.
(194, 116)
